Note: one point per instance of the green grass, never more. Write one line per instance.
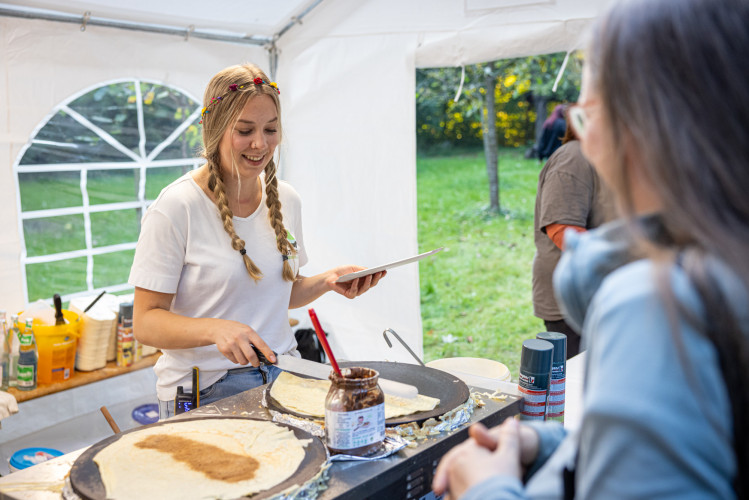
(478, 290)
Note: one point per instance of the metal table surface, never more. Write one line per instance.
(384, 478)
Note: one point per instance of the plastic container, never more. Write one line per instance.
(56, 346)
(476, 372)
(355, 412)
(27, 457)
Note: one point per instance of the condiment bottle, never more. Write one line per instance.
(355, 412)
(125, 337)
(5, 345)
(15, 350)
(28, 359)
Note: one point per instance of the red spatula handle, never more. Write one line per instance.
(323, 340)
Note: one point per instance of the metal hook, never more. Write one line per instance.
(385, 334)
(86, 17)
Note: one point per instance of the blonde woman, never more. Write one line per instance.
(217, 263)
(662, 296)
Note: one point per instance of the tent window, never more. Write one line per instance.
(88, 173)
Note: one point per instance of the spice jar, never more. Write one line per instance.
(355, 412)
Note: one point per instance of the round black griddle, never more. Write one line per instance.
(86, 481)
(450, 390)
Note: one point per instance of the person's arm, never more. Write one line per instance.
(308, 288)
(155, 325)
(657, 420)
(555, 232)
(491, 462)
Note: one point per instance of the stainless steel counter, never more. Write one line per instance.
(387, 478)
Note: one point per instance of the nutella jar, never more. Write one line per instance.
(355, 412)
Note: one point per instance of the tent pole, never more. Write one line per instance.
(296, 20)
(7, 10)
(272, 59)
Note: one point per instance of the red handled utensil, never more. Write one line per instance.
(323, 340)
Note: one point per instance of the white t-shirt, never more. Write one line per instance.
(183, 249)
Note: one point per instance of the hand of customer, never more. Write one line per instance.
(473, 461)
(8, 405)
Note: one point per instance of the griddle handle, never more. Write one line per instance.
(385, 334)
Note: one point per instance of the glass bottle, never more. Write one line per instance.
(5, 356)
(28, 359)
(355, 412)
(15, 346)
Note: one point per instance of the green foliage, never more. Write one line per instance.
(478, 290)
(518, 85)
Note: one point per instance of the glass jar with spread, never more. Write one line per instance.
(354, 412)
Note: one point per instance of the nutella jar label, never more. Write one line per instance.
(353, 429)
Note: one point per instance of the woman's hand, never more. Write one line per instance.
(235, 340)
(354, 288)
(486, 453)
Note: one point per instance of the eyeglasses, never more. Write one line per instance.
(578, 119)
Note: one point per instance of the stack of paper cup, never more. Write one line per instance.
(96, 326)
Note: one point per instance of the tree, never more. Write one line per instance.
(495, 96)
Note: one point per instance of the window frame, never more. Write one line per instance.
(141, 162)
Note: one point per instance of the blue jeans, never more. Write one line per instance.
(233, 382)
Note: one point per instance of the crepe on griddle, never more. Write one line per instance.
(307, 397)
(209, 458)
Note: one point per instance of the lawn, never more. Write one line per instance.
(476, 295)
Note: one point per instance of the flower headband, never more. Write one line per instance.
(234, 88)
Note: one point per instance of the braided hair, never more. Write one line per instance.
(225, 97)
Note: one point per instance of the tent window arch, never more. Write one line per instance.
(87, 174)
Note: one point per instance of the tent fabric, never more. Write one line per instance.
(347, 79)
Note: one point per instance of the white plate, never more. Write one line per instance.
(372, 270)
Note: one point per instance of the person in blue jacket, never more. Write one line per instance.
(662, 294)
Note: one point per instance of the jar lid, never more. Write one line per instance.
(31, 456)
(536, 356)
(559, 340)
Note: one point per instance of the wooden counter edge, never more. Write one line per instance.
(82, 378)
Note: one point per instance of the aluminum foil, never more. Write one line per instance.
(453, 419)
(309, 490)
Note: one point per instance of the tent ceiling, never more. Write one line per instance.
(263, 18)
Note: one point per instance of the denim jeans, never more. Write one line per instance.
(233, 382)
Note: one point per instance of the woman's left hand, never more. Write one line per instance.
(353, 288)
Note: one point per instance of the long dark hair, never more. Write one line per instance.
(672, 75)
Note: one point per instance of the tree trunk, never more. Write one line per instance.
(490, 143)
(541, 115)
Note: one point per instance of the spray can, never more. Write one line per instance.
(125, 337)
(558, 374)
(535, 378)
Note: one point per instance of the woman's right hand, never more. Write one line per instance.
(235, 340)
(504, 450)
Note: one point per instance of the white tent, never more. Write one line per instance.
(346, 70)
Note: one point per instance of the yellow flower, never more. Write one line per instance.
(273, 84)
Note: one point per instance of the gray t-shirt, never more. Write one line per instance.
(569, 192)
